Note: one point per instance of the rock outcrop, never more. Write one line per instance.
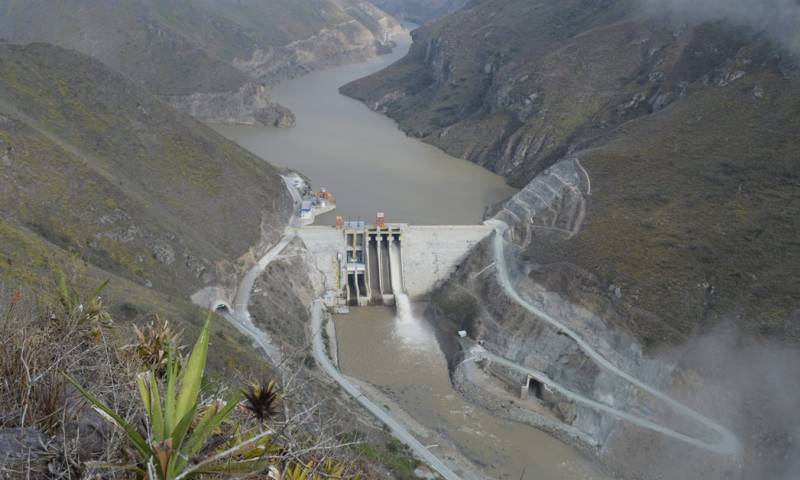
(366, 33)
(657, 163)
(249, 105)
(666, 118)
(209, 57)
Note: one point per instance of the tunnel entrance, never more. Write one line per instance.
(222, 308)
(535, 387)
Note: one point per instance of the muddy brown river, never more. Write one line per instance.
(364, 160)
(370, 166)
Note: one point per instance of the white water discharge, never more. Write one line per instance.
(410, 330)
(334, 137)
(401, 300)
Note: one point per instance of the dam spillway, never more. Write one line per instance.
(370, 264)
(384, 264)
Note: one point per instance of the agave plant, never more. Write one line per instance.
(261, 399)
(177, 428)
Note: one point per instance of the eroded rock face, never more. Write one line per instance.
(514, 85)
(367, 34)
(350, 41)
(249, 105)
(186, 52)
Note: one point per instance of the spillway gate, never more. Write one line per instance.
(365, 264)
(372, 271)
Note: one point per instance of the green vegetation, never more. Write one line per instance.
(100, 169)
(173, 48)
(689, 136)
(708, 232)
(51, 355)
(178, 429)
(394, 455)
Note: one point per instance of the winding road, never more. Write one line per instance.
(240, 318)
(728, 444)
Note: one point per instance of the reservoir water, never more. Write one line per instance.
(364, 160)
(370, 166)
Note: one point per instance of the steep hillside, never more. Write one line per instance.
(95, 168)
(686, 132)
(419, 11)
(102, 181)
(179, 48)
(658, 214)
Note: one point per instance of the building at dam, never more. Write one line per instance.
(371, 264)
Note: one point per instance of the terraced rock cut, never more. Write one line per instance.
(725, 442)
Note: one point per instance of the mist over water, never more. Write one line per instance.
(403, 304)
(409, 329)
(375, 346)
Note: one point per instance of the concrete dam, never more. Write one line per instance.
(386, 264)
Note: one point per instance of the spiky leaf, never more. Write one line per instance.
(192, 374)
(135, 437)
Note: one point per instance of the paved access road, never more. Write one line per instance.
(240, 316)
(727, 444)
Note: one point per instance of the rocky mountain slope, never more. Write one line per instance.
(102, 181)
(419, 11)
(98, 175)
(200, 54)
(658, 214)
(686, 131)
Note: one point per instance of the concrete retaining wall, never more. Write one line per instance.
(432, 253)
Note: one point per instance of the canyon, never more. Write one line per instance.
(213, 59)
(566, 244)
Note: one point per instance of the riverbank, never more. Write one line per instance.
(364, 160)
(403, 361)
(370, 166)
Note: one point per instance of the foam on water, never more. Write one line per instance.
(401, 300)
(409, 329)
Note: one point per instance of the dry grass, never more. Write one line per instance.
(153, 342)
(38, 345)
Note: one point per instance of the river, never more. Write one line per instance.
(370, 166)
(364, 160)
